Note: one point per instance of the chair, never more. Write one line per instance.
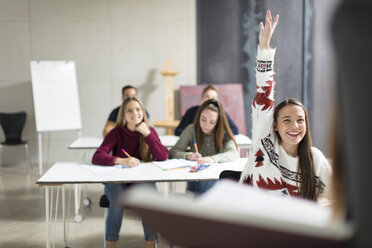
(13, 124)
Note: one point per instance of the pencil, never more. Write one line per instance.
(196, 146)
(126, 153)
(177, 168)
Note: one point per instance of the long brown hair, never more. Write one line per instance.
(222, 125)
(308, 185)
(121, 122)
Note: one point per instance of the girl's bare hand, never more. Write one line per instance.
(131, 162)
(205, 160)
(193, 156)
(143, 129)
(267, 31)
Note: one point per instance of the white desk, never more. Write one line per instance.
(86, 143)
(85, 147)
(62, 173)
(73, 172)
(244, 145)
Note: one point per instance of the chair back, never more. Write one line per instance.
(12, 124)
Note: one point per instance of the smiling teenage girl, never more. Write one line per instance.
(133, 134)
(283, 158)
(214, 141)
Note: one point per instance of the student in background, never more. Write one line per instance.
(126, 91)
(283, 158)
(209, 92)
(140, 142)
(214, 141)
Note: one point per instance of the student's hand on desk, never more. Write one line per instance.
(131, 162)
(205, 160)
(143, 129)
(193, 156)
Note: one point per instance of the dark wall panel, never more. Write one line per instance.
(227, 45)
(218, 41)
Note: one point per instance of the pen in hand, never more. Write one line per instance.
(129, 161)
(196, 146)
(194, 156)
(126, 153)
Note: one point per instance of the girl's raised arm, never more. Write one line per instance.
(263, 103)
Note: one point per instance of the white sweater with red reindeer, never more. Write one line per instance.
(269, 166)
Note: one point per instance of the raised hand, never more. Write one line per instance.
(267, 31)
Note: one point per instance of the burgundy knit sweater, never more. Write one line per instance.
(122, 138)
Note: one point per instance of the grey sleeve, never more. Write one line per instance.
(179, 150)
(228, 153)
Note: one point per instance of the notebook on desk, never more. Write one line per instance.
(172, 164)
(233, 215)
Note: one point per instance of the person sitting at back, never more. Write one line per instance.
(209, 92)
(126, 91)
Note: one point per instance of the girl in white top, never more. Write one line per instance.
(283, 158)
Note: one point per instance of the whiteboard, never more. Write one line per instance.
(56, 97)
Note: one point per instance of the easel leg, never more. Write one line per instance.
(40, 140)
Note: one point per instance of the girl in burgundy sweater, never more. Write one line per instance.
(133, 134)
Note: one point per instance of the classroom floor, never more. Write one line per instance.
(22, 215)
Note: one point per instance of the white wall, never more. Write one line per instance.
(113, 43)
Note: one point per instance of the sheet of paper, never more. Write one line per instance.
(174, 163)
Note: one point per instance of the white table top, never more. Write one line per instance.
(166, 140)
(74, 172)
(86, 143)
(243, 140)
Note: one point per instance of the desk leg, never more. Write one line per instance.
(78, 217)
(166, 189)
(64, 217)
(47, 216)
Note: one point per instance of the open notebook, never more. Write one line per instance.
(233, 215)
(171, 164)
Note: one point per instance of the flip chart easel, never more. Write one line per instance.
(56, 99)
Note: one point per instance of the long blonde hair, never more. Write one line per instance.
(122, 122)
